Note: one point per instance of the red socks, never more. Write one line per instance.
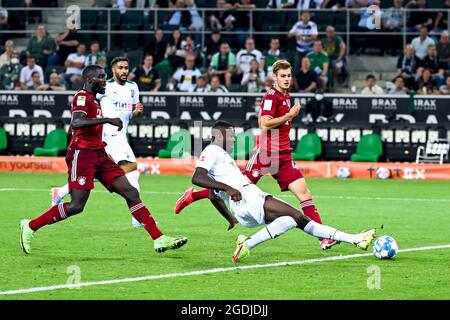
(309, 210)
(141, 213)
(52, 215)
(201, 194)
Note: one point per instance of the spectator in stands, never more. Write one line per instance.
(273, 54)
(305, 32)
(67, 43)
(122, 5)
(305, 77)
(407, 65)
(197, 21)
(253, 80)
(201, 85)
(222, 19)
(242, 23)
(393, 21)
(213, 44)
(445, 88)
(5, 58)
(279, 4)
(55, 83)
(336, 49)
(419, 18)
(443, 49)
(41, 46)
(146, 76)
(215, 86)
(368, 19)
(399, 87)
(3, 25)
(223, 64)
(422, 42)
(26, 79)
(245, 56)
(441, 21)
(371, 87)
(10, 73)
(175, 53)
(268, 83)
(178, 18)
(432, 62)
(319, 64)
(157, 47)
(35, 81)
(95, 54)
(425, 84)
(74, 67)
(357, 3)
(185, 77)
(305, 4)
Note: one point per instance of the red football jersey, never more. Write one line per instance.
(276, 104)
(89, 137)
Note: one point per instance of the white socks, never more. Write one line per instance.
(133, 178)
(274, 229)
(321, 231)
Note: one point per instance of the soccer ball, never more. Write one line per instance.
(343, 172)
(383, 173)
(385, 247)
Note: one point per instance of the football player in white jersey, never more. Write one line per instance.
(120, 100)
(216, 170)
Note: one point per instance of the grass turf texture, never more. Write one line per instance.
(104, 246)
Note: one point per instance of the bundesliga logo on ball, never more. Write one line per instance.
(385, 247)
(343, 173)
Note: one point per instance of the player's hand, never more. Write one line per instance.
(232, 224)
(293, 112)
(139, 107)
(116, 122)
(234, 194)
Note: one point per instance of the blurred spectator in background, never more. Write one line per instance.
(371, 86)
(122, 5)
(443, 49)
(441, 21)
(196, 20)
(445, 88)
(146, 76)
(213, 44)
(305, 4)
(272, 54)
(26, 79)
(242, 23)
(419, 18)
(319, 64)
(67, 43)
(55, 83)
(215, 86)
(357, 3)
(432, 62)
(278, 4)
(253, 80)
(407, 65)
(95, 54)
(393, 21)
(157, 46)
(398, 87)
(368, 17)
(174, 52)
(10, 73)
(336, 49)
(185, 77)
(268, 83)
(3, 25)
(5, 58)
(305, 32)
(35, 81)
(201, 85)
(74, 67)
(223, 64)
(421, 43)
(245, 56)
(305, 77)
(223, 18)
(178, 19)
(425, 84)
(41, 46)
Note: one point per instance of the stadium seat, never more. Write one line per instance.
(55, 142)
(433, 152)
(243, 145)
(3, 140)
(178, 145)
(369, 149)
(308, 148)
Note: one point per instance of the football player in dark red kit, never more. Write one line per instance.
(87, 160)
(273, 155)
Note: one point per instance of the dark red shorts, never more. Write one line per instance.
(282, 168)
(85, 164)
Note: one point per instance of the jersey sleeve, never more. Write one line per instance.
(268, 106)
(80, 103)
(136, 93)
(207, 159)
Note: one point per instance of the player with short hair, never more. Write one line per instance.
(120, 100)
(87, 159)
(216, 170)
(273, 156)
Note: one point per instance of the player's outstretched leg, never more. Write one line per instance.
(162, 242)
(133, 178)
(54, 214)
(189, 196)
(58, 194)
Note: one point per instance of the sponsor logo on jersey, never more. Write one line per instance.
(81, 101)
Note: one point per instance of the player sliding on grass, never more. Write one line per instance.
(86, 159)
(216, 170)
(273, 156)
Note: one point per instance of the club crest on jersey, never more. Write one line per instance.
(81, 180)
(255, 173)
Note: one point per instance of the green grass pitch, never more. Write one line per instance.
(102, 245)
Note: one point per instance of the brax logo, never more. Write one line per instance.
(425, 104)
(229, 102)
(154, 101)
(9, 99)
(42, 100)
(384, 104)
(345, 103)
(191, 101)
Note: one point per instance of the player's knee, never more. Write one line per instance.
(132, 194)
(75, 208)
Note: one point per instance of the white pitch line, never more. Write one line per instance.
(208, 271)
(277, 195)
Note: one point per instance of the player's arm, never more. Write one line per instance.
(138, 109)
(267, 122)
(201, 179)
(220, 206)
(79, 120)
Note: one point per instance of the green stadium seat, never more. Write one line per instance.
(308, 148)
(89, 19)
(55, 143)
(323, 19)
(3, 140)
(178, 145)
(243, 145)
(369, 149)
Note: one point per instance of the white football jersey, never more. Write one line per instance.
(117, 102)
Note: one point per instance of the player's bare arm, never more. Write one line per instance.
(220, 205)
(79, 120)
(201, 179)
(267, 122)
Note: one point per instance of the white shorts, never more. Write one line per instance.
(119, 150)
(250, 210)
